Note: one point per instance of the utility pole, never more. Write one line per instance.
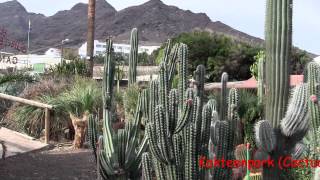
(29, 29)
(90, 36)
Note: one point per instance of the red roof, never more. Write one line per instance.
(252, 83)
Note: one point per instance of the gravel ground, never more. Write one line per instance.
(55, 164)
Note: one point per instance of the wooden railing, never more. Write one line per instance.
(46, 107)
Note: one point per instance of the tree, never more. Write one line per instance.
(90, 36)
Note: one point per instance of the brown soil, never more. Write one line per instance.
(54, 164)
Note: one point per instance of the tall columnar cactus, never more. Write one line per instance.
(178, 125)
(224, 94)
(274, 143)
(261, 76)
(313, 101)
(226, 133)
(133, 57)
(278, 35)
(119, 152)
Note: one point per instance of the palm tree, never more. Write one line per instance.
(90, 36)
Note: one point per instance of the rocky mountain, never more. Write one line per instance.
(155, 20)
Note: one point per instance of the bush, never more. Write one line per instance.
(250, 111)
(77, 97)
(74, 67)
(84, 95)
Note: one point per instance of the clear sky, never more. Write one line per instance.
(245, 15)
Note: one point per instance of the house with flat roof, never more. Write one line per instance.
(100, 48)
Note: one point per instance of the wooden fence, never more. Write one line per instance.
(46, 107)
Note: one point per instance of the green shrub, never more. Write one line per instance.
(74, 67)
(80, 96)
(250, 111)
(84, 95)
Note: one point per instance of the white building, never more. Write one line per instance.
(53, 52)
(100, 47)
(28, 61)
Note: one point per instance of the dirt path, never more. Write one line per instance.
(55, 164)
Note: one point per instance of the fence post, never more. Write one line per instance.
(47, 125)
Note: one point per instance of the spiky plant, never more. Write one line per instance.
(278, 49)
(133, 57)
(226, 133)
(178, 124)
(119, 152)
(284, 141)
(313, 102)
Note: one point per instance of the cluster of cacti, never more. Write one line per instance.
(178, 124)
(226, 133)
(285, 127)
(119, 151)
(133, 57)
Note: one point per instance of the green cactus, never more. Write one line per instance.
(285, 140)
(120, 151)
(261, 76)
(133, 57)
(93, 134)
(285, 127)
(224, 94)
(178, 125)
(278, 35)
(226, 133)
(313, 101)
(147, 166)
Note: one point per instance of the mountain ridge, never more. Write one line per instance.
(155, 20)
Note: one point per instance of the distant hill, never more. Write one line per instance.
(155, 20)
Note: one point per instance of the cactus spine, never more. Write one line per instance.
(178, 124)
(133, 57)
(278, 49)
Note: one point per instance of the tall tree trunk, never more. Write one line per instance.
(90, 36)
